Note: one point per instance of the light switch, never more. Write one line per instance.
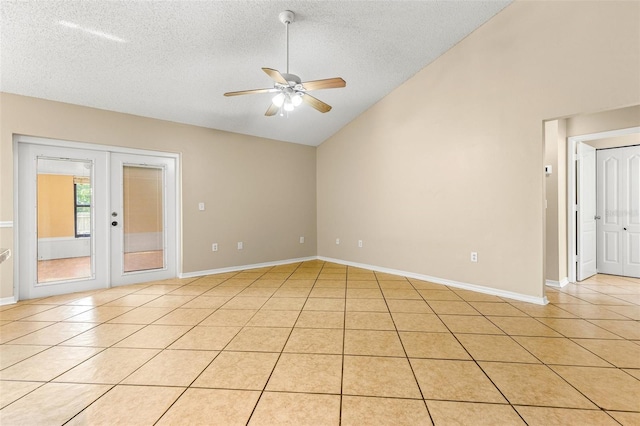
(201, 206)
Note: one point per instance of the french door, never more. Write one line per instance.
(91, 219)
(619, 211)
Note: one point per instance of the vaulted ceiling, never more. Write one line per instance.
(173, 60)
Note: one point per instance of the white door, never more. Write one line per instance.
(142, 218)
(62, 220)
(619, 211)
(586, 211)
(88, 219)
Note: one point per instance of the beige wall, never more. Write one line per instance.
(452, 161)
(258, 191)
(616, 142)
(555, 135)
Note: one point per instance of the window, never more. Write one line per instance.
(82, 198)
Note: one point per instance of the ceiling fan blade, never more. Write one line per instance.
(275, 75)
(272, 110)
(316, 103)
(328, 83)
(249, 92)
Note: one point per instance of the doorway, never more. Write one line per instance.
(603, 217)
(91, 217)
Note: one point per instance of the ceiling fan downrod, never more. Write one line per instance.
(286, 18)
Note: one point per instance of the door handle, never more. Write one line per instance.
(624, 229)
(596, 217)
(114, 223)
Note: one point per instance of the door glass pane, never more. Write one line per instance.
(64, 212)
(143, 219)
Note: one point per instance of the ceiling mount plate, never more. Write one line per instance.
(287, 17)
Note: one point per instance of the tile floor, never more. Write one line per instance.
(320, 344)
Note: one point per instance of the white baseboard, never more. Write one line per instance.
(558, 284)
(244, 267)
(465, 286)
(6, 224)
(7, 300)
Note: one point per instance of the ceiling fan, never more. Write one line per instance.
(290, 90)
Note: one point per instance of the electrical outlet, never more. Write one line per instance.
(360, 243)
(214, 247)
(301, 240)
(240, 245)
(201, 206)
(474, 256)
(337, 241)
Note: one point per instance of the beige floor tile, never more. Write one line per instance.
(238, 370)
(369, 321)
(364, 293)
(142, 315)
(627, 329)
(484, 347)
(169, 301)
(358, 410)
(372, 342)
(56, 403)
(633, 372)
(189, 290)
(621, 353)
(360, 281)
(206, 302)
(626, 419)
(245, 303)
(257, 291)
(402, 294)
(469, 324)
(533, 384)
(367, 305)
(307, 373)
(395, 285)
(578, 328)
(158, 289)
(320, 319)
(324, 282)
(543, 311)
(48, 364)
(219, 291)
(172, 368)
(439, 294)
(154, 336)
(560, 350)
(418, 322)
(100, 314)
(474, 296)
(426, 285)
(591, 311)
(610, 388)
(15, 330)
(302, 284)
(11, 391)
(378, 376)
(331, 276)
(295, 292)
(260, 339)
(280, 408)
(16, 312)
(319, 304)
(54, 334)
(202, 406)
(407, 306)
(273, 319)
(274, 280)
(229, 318)
(520, 326)
(473, 414)
(104, 335)
(206, 338)
(130, 405)
(452, 307)
(184, 316)
(546, 416)
(327, 292)
(59, 313)
(11, 354)
(304, 275)
(632, 312)
(315, 340)
(383, 276)
(353, 277)
(284, 304)
(454, 380)
(109, 366)
(432, 345)
(503, 309)
(133, 300)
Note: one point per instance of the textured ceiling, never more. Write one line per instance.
(173, 60)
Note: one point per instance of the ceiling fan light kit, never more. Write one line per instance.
(290, 90)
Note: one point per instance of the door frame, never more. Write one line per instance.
(20, 139)
(572, 156)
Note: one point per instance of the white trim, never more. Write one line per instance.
(7, 301)
(245, 267)
(571, 190)
(6, 224)
(92, 147)
(557, 284)
(465, 286)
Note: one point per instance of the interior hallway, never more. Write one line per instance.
(321, 343)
